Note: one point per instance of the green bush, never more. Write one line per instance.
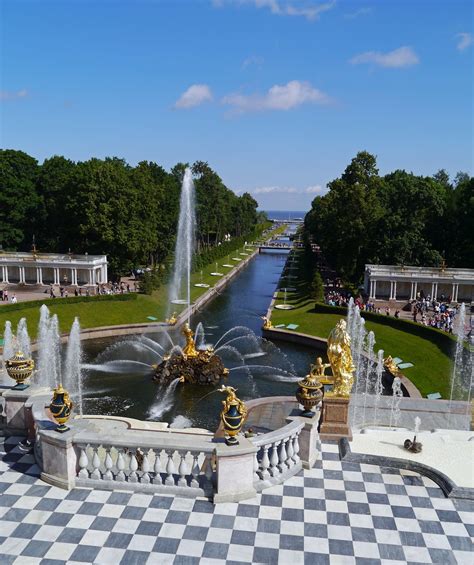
(317, 287)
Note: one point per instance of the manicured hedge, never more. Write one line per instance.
(69, 300)
(441, 338)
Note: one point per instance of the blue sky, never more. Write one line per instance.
(277, 95)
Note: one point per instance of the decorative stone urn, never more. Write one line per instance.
(61, 407)
(19, 368)
(233, 414)
(309, 393)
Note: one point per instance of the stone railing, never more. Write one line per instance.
(119, 453)
(179, 465)
(277, 457)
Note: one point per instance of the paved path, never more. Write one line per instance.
(336, 513)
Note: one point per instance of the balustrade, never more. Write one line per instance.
(278, 455)
(153, 468)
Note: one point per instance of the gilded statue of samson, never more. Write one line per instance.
(340, 358)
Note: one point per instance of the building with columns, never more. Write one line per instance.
(390, 282)
(52, 268)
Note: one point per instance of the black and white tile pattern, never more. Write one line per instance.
(336, 513)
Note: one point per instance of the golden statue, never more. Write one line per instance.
(267, 324)
(172, 321)
(391, 366)
(340, 358)
(189, 349)
(319, 368)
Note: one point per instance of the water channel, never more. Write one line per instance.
(242, 303)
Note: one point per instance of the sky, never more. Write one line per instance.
(276, 95)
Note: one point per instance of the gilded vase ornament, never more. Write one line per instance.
(233, 414)
(309, 393)
(19, 368)
(340, 359)
(61, 407)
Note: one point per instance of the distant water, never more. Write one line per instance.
(284, 214)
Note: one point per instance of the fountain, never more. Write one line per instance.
(73, 373)
(190, 364)
(457, 374)
(185, 243)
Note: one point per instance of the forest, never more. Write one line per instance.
(396, 219)
(106, 206)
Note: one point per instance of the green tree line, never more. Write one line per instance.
(106, 206)
(396, 219)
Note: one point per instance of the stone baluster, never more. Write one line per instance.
(120, 467)
(195, 471)
(296, 448)
(170, 469)
(182, 470)
(290, 452)
(256, 467)
(274, 471)
(95, 464)
(108, 476)
(83, 463)
(145, 478)
(282, 453)
(133, 477)
(157, 480)
(265, 464)
(209, 471)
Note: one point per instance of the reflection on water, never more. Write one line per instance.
(241, 303)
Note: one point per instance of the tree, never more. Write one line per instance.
(19, 201)
(318, 287)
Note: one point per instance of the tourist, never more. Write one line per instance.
(5, 295)
(387, 311)
(397, 314)
(14, 299)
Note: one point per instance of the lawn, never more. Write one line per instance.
(432, 365)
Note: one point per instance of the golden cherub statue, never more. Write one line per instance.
(172, 320)
(267, 324)
(319, 368)
(190, 348)
(391, 366)
(340, 359)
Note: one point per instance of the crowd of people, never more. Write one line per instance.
(433, 313)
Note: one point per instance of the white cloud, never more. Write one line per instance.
(401, 57)
(274, 189)
(302, 8)
(316, 189)
(8, 95)
(195, 95)
(278, 97)
(253, 60)
(464, 41)
(357, 13)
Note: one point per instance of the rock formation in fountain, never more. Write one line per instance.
(191, 365)
(180, 292)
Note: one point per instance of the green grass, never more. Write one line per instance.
(430, 355)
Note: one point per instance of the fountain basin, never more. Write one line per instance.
(200, 285)
(284, 307)
(217, 274)
(179, 301)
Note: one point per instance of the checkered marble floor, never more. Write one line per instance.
(336, 513)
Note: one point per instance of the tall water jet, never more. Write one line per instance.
(23, 342)
(8, 345)
(43, 362)
(180, 290)
(73, 373)
(53, 353)
(378, 388)
(368, 371)
(397, 395)
(456, 376)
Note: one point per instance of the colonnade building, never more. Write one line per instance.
(390, 282)
(53, 268)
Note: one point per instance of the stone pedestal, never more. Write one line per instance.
(235, 473)
(59, 459)
(335, 418)
(309, 437)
